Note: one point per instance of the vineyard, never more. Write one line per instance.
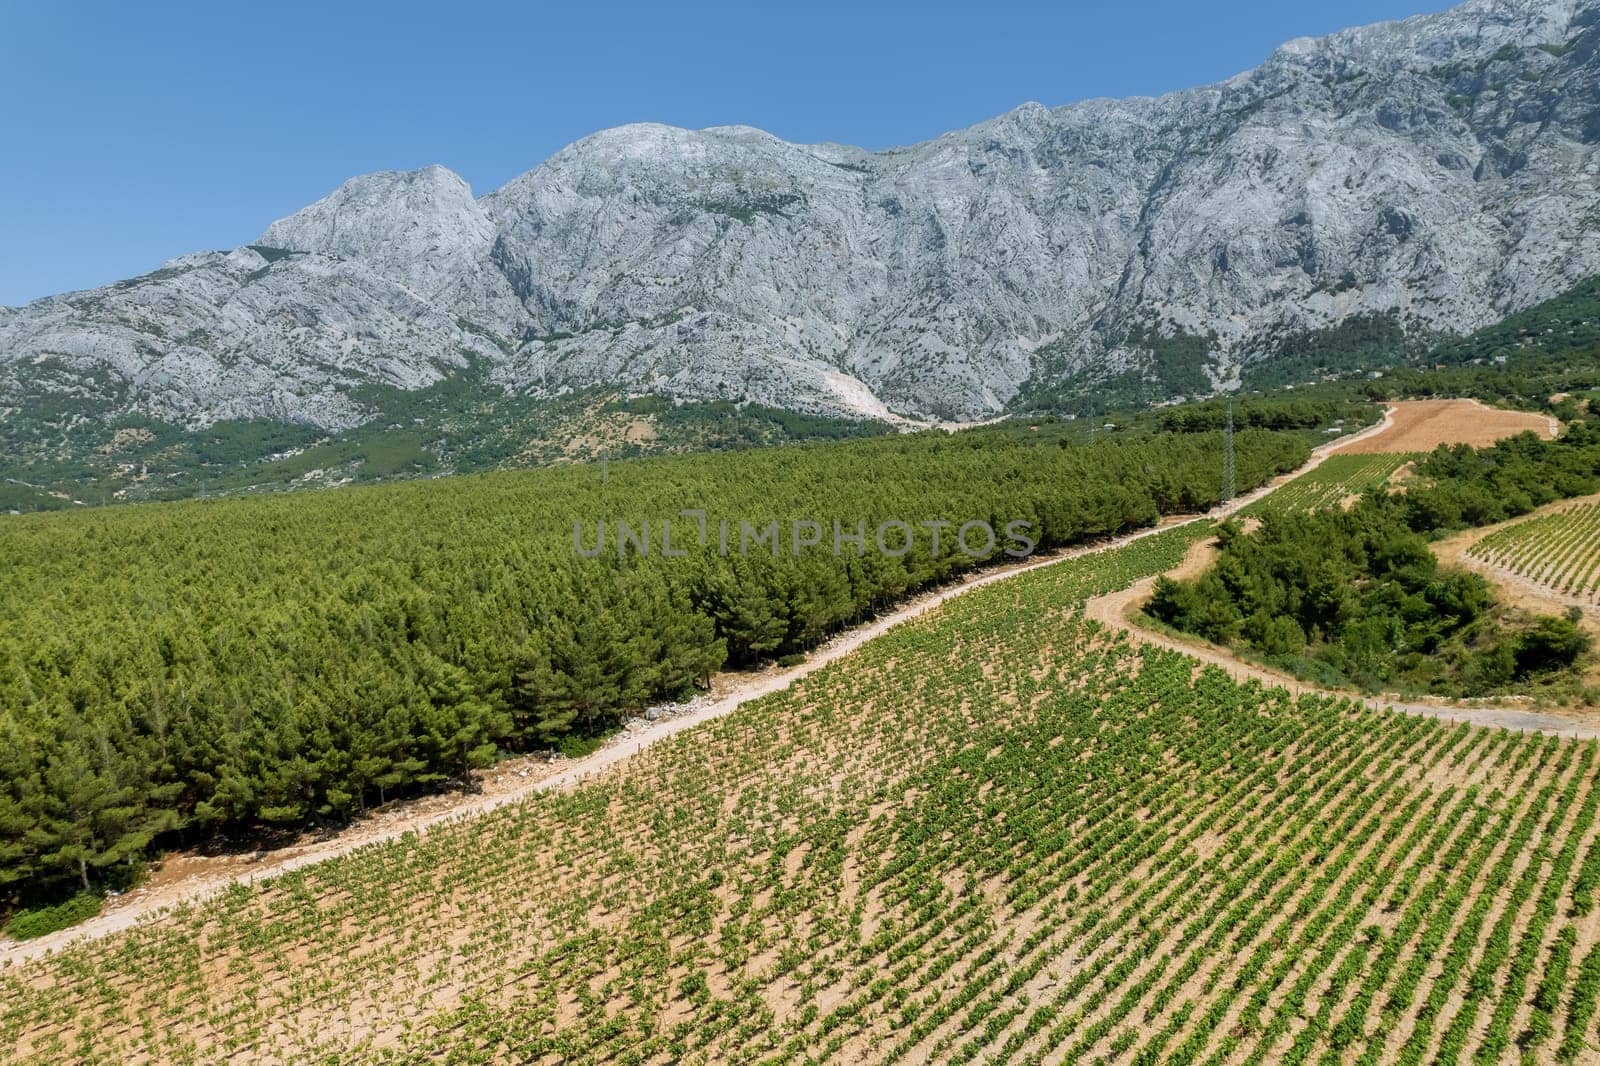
(994, 834)
(1560, 551)
(1338, 478)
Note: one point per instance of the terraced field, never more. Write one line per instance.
(1559, 551)
(994, 834)
(1337, 479)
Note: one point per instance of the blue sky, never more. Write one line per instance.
(133, 132)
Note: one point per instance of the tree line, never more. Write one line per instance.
(1265, 413)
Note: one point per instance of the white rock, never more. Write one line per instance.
(1444, 168)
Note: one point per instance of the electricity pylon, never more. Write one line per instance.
(1228, 474)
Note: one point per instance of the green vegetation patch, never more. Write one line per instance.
(35, 922)
(1560, 551)
(1167, 365)
(1359, 343)
(1356, 597)
(1334, 482)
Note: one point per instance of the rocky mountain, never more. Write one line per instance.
(1442, 171)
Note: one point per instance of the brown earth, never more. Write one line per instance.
(1423, 425)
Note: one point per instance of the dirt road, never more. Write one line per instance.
(1116, 610)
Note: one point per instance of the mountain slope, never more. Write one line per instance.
(1440, 172)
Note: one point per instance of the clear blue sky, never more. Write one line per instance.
(131, 132)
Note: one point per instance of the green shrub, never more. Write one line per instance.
(1359, 589)
(574, 746)
(38, 921)
(1552, 643)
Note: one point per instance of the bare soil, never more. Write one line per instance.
(1423, 425)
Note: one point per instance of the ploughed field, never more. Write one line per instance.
(997, 833)
(1423, 425)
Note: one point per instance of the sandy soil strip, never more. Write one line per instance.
(190, 878)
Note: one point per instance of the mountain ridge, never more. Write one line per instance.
(1439, 169)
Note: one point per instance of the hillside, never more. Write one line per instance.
(1413, 178)
(52, 457)
(995, 833)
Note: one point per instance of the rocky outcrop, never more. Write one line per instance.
(1444, 170)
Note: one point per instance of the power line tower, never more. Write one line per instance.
(1228, 475)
